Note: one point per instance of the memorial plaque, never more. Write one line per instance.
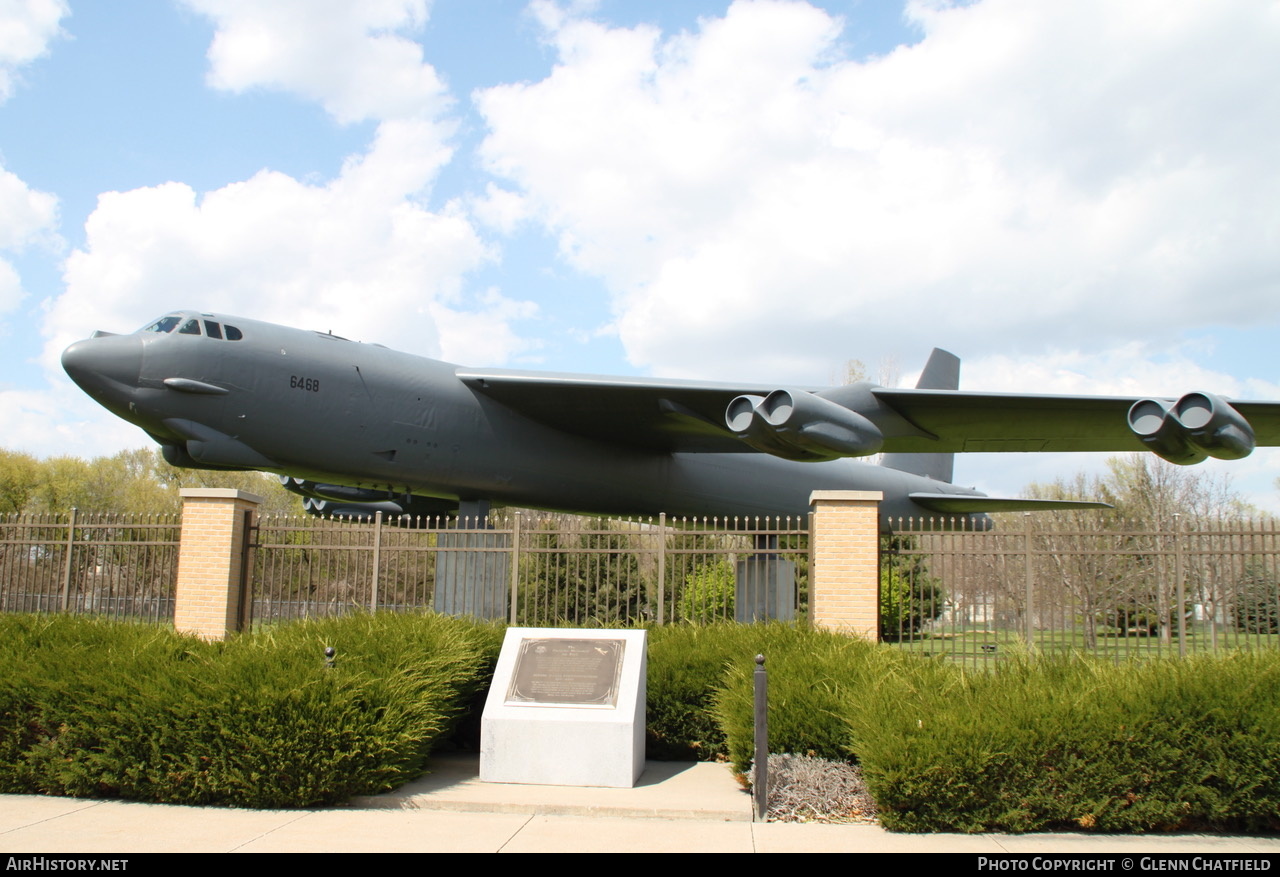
(566, 708)
(567, 672)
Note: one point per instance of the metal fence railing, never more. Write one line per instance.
(1114, 589)
(547, 569)
(1032, 582)
(115, 565)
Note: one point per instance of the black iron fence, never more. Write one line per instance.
(1032, 582)
(1115, 589)
(543, 569)
(115, 565)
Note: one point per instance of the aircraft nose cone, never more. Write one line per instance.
(105, 368)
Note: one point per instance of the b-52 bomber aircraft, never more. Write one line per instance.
(358, 428)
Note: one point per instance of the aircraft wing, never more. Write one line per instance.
(678, 415)
(976, 422)
(653, 414)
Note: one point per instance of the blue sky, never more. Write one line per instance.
(1072, 196)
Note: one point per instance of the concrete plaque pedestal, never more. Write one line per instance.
(567, 708)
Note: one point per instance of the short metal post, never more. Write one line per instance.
(760, 785)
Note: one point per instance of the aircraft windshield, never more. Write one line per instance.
(164, 324)
(185, 325)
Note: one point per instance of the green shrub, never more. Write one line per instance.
(1076, 742)
(813, 675)
(909, 596)
(686, 668)
(1257, 601)
(699, 685)
(708, 593)
(258, 721)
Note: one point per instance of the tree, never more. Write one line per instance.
(1257, 601)
(1115, 562)
(19, 477)
(708, 593)
(584, 575)
(909, 596)
(136, 482)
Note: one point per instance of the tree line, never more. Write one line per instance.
(1141, 488)
(136, 482)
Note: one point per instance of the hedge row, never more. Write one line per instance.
(1034, 744)
(103, 709)
(1078, 743)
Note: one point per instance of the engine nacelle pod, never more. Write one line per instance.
(820, 425)
(1155, 426)
(743, 417)
(1196, 426)
(1214, 426)
(802, 426)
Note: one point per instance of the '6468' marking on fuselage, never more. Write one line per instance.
(298, 382)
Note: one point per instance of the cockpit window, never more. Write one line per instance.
(191, 326)
(164, 324)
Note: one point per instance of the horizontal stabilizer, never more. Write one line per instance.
(956, 504)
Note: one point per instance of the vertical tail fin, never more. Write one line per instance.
(941, 372)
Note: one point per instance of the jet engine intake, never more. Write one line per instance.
(802, 426)
(1198, 425)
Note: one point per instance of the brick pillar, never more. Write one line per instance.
(844, 583)
(207, 596)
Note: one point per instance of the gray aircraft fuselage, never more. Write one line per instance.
(325, 409)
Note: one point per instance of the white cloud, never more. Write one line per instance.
(1131, 369)
(26, 29)
(354, 58)
(363, 255)
(1028, 175)
(27, 218)
(355, 255)
(56, 421)
(500, 208)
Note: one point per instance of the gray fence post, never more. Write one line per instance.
(662, 566)
(1180, 585)
(66, 566)
(377, 560)
(1028, 625)
(515, 565)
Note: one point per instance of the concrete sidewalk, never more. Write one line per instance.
(677, 807)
